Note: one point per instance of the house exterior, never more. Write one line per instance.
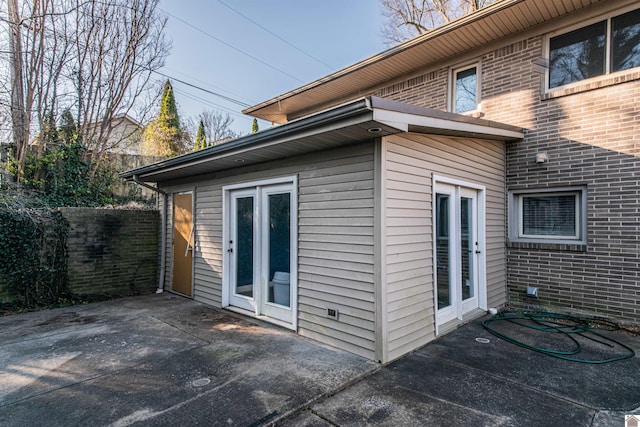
(410, 192)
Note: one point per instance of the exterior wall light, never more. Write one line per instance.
(542, 158)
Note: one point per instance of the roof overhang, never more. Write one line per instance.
(497, 21)
(360, 120)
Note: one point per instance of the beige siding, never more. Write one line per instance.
(335, 241)
(411, 160)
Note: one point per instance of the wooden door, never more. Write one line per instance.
(183, 240)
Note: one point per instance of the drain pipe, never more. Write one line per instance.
(163, 232)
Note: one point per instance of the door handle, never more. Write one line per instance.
(477, 252)
(230, 250)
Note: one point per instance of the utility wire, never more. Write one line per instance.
(226, 98)
(233, 47)
(208, 103)
(208, 84)
(276, 36)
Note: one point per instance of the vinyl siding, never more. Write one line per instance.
(411, 160)
(335, 241)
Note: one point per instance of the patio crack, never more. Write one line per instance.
(184, 331)
(502, 378)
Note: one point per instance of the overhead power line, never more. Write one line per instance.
(226, 98)
(209, 85)
(276, 35)
(233, 47)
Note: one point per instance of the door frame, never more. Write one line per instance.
(257, 185)
(481, 236)
(193, 251)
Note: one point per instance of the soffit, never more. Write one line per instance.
(499, 20)
(343, 125)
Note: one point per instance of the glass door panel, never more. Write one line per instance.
(261, 251)
(279, 248)
(244, 247)
(443, 248)
(456, 224)
(467, 248)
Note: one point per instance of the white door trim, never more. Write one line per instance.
(459, 185)
(260, 188)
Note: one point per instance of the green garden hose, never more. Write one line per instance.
(568, 326)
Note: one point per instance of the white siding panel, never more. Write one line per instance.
(411, 162)
(335, 241)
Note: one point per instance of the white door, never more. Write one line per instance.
(242, 249)
(261, 251)
(457, 251)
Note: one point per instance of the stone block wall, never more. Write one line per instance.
(112, 251)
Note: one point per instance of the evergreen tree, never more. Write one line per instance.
(201, 139)
(254, 126)
(163, 136)
(68, 130)
(168, 110)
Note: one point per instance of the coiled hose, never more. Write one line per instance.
(567, 325)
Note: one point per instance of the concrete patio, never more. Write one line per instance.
(166, 360)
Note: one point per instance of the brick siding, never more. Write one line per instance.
(592, 137)
(112, 251)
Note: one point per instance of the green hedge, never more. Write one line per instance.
(33, 255)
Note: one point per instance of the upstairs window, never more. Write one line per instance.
(604, 47)
(465, 89)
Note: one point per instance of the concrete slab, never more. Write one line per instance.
(610, 386)
(457, 380)
(167, 360)
(160, 360)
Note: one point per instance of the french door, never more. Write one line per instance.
(457, 248)
(260, 251)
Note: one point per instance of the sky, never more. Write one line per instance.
(216, 48)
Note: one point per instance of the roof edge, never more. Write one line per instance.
(438, 32)
(353, 108)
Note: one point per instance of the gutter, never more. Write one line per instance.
(287, 130)
(163, 231)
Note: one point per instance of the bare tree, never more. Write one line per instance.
(405, 19)
(217, 126)
(118, 46)
(94, 57)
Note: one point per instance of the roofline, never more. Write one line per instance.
(384, 55)
(353, 108)
(392, 116)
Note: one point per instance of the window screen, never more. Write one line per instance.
(549, 215)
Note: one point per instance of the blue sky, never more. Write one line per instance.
(337, 33)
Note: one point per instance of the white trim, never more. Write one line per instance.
(259, 189)
(393, 118)
(262, 183)
(451, 86)
(456, 186)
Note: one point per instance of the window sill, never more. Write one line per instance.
(593, 84)
(568, 247)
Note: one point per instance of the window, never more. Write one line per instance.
(465, 89)
(604, 47)
(549, 215)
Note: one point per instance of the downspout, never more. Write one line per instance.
(163, 232)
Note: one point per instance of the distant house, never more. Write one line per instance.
(498, 152)
(125, 135)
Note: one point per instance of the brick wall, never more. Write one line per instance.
(592, 137)
(112, 251)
